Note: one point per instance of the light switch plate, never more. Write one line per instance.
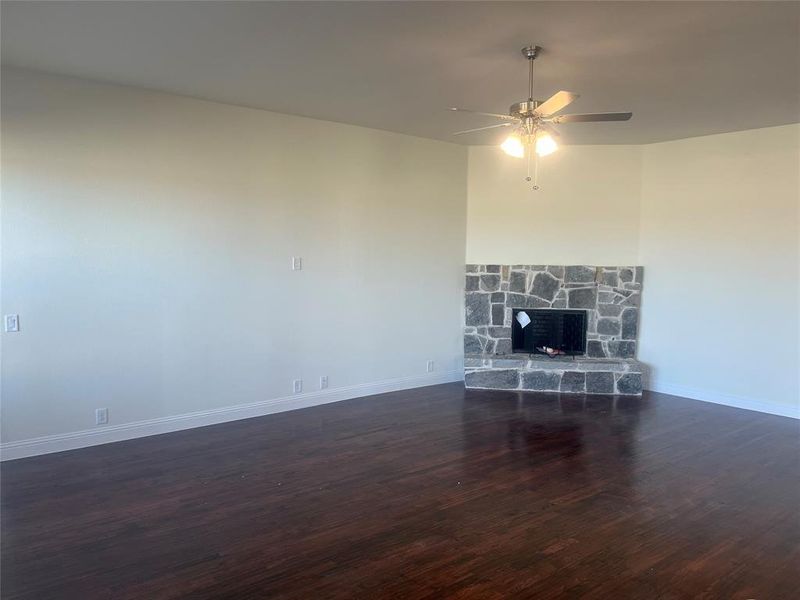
(11, 323)
(297, 263)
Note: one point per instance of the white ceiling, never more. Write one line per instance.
(683, 68)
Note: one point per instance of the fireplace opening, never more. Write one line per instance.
(562, 330)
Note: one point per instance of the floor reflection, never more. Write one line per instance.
(532, 434)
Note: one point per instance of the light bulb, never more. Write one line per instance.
(545, 144)
(513, 146)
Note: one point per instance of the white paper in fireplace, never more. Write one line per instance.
(523, 319)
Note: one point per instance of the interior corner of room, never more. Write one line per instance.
(713, 221)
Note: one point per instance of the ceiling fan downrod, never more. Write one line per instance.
(531, 52)
(525, 109)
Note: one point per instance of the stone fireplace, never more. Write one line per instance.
(501, 353)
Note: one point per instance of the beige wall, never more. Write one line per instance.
(719, 241)
(147, 241)
(585, 212)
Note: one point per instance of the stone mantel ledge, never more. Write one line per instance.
(558, 363)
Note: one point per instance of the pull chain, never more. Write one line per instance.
(530, 154)
(528, 158)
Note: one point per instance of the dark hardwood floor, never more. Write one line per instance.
(430, 493)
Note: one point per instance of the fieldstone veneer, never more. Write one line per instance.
(611, 298)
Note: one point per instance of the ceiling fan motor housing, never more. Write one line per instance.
(523, 109)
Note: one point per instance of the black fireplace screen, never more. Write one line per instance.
(562, 330)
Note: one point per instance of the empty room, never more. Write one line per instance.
(402, 300)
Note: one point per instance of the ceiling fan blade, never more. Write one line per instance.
(485, 114)
(482, 128)
(555, 103)
(590, 117)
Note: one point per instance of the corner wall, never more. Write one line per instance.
(586, 211)
(147, 243)
(714, 222)
(719, 241)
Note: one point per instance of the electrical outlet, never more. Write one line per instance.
(430, 366)
(297, 386)
(12, 323)
(297, 263)
(323, 382)
(101, 416)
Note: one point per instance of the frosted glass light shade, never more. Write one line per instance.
(545, 144)
(513, 146)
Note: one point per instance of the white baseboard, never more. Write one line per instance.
(126, 431)
(771, 408)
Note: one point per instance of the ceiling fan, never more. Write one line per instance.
(532, 120)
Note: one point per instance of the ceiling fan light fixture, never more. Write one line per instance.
(545, 144)
(513, 146)
(532, 122)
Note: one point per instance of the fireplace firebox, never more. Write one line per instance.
(563, 330)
